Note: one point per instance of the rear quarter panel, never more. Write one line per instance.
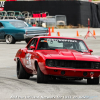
(20, 55)
(18, 34)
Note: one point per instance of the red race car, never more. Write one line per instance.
(57, 57)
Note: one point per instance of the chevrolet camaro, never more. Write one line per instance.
(51, 57)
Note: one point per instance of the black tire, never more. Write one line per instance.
(27, 41)
(21, 73)
(78, 78)
(41, 78)
(93, 81)
(9, 39)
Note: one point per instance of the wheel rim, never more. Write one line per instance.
(8, 38)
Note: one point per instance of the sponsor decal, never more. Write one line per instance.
(62, 40)
(1, 9)
(2, 3)
(28, 59)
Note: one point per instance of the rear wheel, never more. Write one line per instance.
(41, 78)
(21, 73)
(10, 39)
(93, 81)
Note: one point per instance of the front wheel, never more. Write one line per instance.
(21, 73)
(9, 39)
(41, 78)
(93, 81)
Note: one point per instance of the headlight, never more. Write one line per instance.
(96, 65)
(50, 63)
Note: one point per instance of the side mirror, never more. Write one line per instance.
(32, 47)
(90, 50)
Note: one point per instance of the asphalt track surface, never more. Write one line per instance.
(12, 88)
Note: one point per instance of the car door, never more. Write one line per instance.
(2, 33)
(30, 56)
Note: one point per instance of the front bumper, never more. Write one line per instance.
(28, 36)
(67, 72)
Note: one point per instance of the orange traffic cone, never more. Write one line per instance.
(49, 32)
(52, 29)
(77, 34)
(58, 33)
(94, 33)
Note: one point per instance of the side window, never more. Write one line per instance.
(82, 46)
(33, 43)
(1, 25)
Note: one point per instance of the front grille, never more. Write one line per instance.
(74, 64)
(38, 31)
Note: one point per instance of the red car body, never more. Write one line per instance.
(67, 63)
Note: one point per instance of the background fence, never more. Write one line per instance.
(76, 12)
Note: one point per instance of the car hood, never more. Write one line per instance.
(34, 28)
(69, 55)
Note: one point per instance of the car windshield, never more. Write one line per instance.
(19, 24)
(59, 43)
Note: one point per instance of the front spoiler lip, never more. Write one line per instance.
(32, 35)
(71, 72)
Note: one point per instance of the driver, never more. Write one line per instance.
(68, 45)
